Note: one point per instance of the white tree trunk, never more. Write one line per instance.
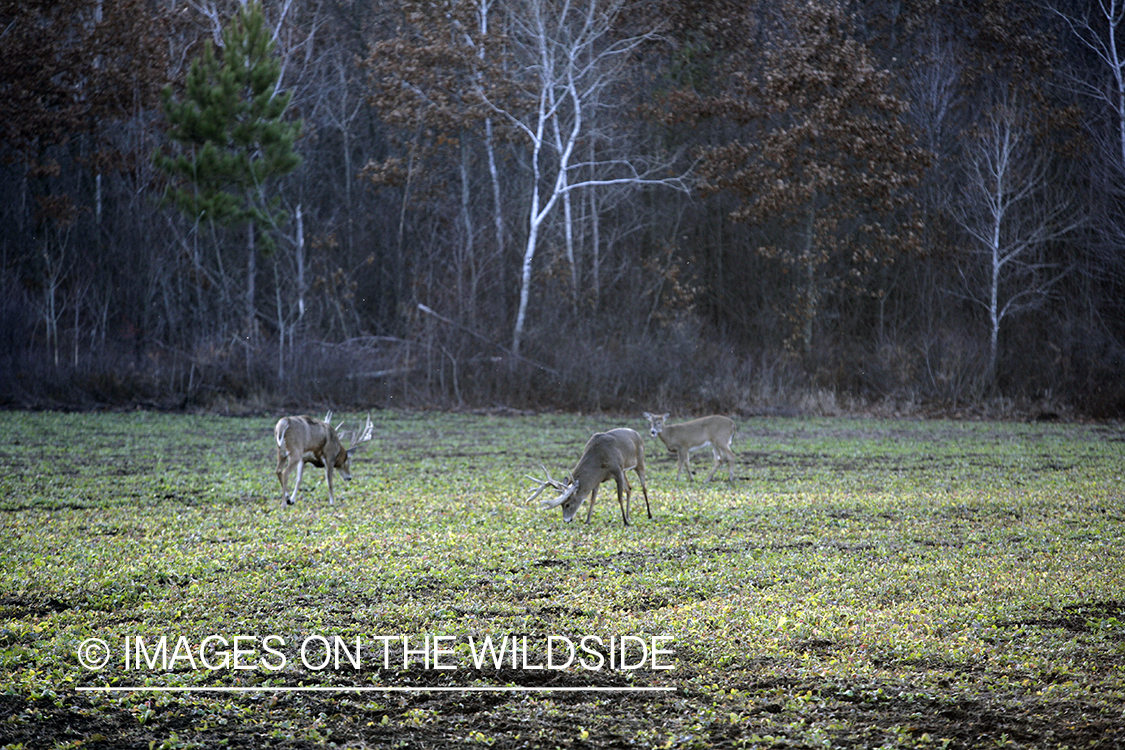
(568, 51)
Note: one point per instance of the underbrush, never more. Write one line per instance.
(577, 369)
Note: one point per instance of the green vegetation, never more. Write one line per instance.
(864, 583)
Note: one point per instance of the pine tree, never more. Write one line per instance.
(232, 136)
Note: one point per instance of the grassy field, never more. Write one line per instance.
(863, 583)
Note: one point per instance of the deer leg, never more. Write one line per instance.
(295, 459)
(628, 495)
(639, 470)
(641, 473)
(685, 461)
(622, 484)
(590, 509)
(328, 478)
(282, 474)
(718, 461)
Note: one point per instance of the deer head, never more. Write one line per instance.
(607, 455)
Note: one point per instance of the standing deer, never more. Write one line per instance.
(302, 440)
(607, 455)
(682, 439)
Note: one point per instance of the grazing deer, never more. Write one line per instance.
(682, 439)
(607, 455)
(302, 440)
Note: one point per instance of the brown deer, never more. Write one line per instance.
(607, 455)
(682, 439)
(303, 439)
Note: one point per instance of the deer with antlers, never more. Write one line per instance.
(307, 440)
(607, 455)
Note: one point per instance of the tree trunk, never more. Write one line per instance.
(812, 291)
(467, 300)
(497, 212)
(994, 303)
(525, 279)
(251, 284)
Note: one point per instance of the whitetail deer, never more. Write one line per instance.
(307, 440)
(607, 455)
(682, 439)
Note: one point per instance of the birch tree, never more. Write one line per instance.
(570, 58)
(1100, 29)
(1010, 214)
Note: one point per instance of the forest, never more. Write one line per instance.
(748, 206)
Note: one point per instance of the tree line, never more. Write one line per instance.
(587, 204)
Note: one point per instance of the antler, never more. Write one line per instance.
(328, 421)
(544, 484)
(561, 498)
(359, 438)
(568, 490)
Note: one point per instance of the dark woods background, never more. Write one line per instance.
(732, 206)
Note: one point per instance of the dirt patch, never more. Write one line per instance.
(1083, 617)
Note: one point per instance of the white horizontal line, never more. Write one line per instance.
(376, 689)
